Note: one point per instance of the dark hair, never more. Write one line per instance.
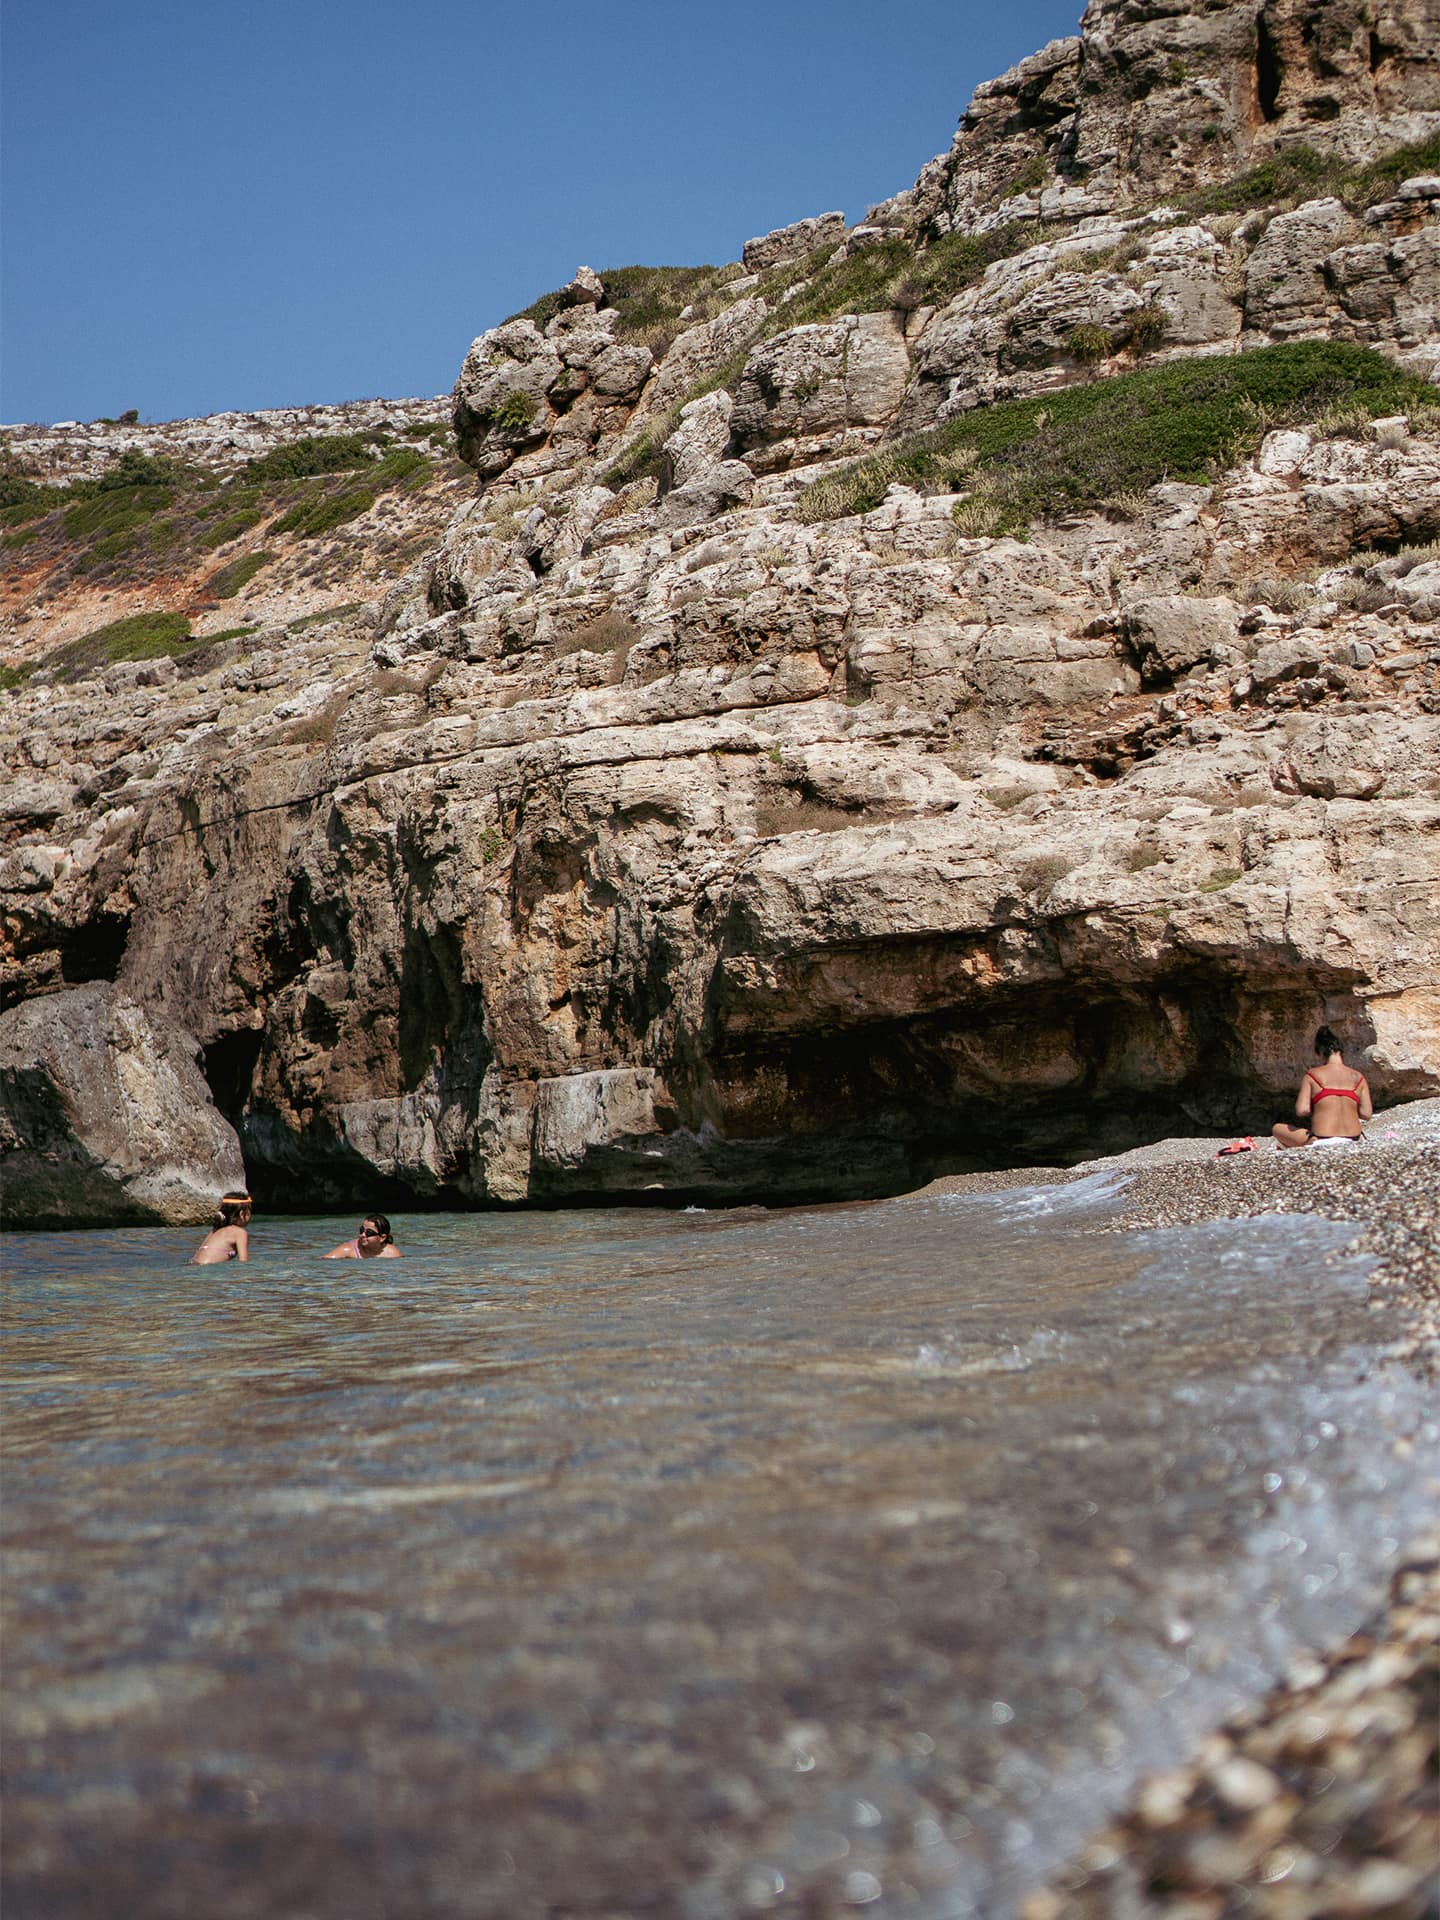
(379, 1222)
(1327, 1043)
(229, 1206)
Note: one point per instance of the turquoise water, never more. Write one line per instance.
(648, 1563)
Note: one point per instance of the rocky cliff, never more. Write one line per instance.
(962, 687)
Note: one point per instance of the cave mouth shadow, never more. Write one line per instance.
(1049, 1080)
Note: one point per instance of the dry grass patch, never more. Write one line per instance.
(776, 818)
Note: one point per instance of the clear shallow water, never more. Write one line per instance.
(646, 1564)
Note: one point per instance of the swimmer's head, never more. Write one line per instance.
(234, 1209)
(1326, 1043)
(375, 1227)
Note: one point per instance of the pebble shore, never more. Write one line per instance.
(1322, 1802)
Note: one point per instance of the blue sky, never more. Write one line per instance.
(256, 203)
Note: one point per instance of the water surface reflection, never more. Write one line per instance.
(642, 1563)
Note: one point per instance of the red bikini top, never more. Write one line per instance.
(1323, 1092)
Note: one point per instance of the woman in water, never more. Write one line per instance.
(373, 1242)
(1333, 1100)
(227, 1238)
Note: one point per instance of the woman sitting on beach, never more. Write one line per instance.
(227, 1239)
(1334, 1101)
(372, 1242)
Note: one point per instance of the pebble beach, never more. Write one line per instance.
(1322, 1800)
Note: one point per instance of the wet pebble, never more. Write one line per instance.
(1319, 1804)
(1392, 1192)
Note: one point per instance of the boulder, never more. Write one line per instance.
(700, 440)
(1289, 659)
(1173, 632)
(813, 379)
(728, 483)
(500, 401)
(1285, 287)
(1074, 316)
(698, 352)
(785, 245)
(105, 1118)
(1334, 760)
(1189, 266)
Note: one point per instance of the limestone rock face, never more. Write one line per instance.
(698, 352)
(1174, 632)
(698, 444)
(105, 1118)
(1285, 290)
(650, 835)
(520, 388)
(819, 379)
(1152, 99)
(788, 244)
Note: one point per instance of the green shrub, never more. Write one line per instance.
(514, 413)
(401, 463)
(652, 297)
(1088, 343)
(115, 510)
(1300, 173)
(140, 636)
(959, 260)
(320, 514)
(1402, 163)
(231, 526)
(989, 513)
(1148, 326)
(866, 282)
(135, 469)
(239, 573)
(894, 276)
(541, 311)
(316, 454)
(24, 499)
(1074, 449)
(643, 458)
(644, 297)
(1034, 173)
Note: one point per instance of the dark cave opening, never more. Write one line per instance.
(95, 950)
(1268, 72)
(230, 1064)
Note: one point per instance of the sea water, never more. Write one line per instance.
(643, 1563)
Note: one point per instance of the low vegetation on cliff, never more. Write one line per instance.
(201, 536)
(1297, 173)
(149, 516)
(1104, 444)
